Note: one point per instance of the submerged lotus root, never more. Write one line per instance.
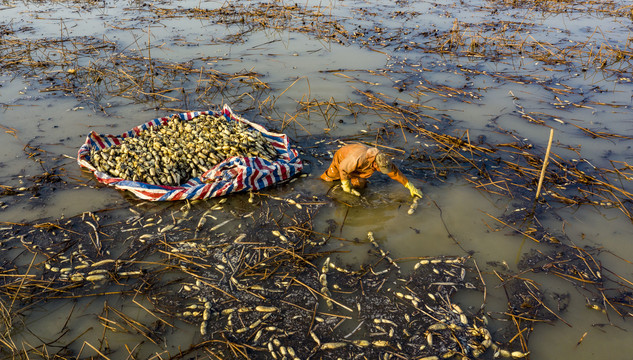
(174, 153)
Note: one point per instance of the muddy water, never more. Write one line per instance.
(42, 131)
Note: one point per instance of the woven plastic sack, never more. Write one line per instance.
(234, 174)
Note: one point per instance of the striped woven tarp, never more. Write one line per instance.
(231, 175)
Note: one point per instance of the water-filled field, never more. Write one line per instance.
(463, 96)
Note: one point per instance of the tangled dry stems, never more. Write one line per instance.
(97, 69)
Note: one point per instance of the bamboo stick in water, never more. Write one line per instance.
(540, 180)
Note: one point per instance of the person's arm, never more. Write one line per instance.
(397, 175)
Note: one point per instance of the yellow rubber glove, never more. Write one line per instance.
(413, 190)
(345, 184)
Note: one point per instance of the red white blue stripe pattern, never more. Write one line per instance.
(234, 174)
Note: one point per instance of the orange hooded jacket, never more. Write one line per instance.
(356, 162)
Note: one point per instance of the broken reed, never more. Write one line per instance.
(517, 165)
(128, 76)
(177, 240)
(511, 179)
(456, 149)
(95, 69)
(540, 179)
(511, 39)
(315, 20)
(611, 8)
(243, 274)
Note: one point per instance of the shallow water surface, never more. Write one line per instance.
(403, 76)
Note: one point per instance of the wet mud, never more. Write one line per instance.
(461, 95)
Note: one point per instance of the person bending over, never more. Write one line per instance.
(354, 163)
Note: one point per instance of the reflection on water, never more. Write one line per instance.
(319, 83)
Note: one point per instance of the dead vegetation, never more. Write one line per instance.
(258, 290)
(98, 70)
(261, 288)
(601, 8)
(506, 39)
(254, 283)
